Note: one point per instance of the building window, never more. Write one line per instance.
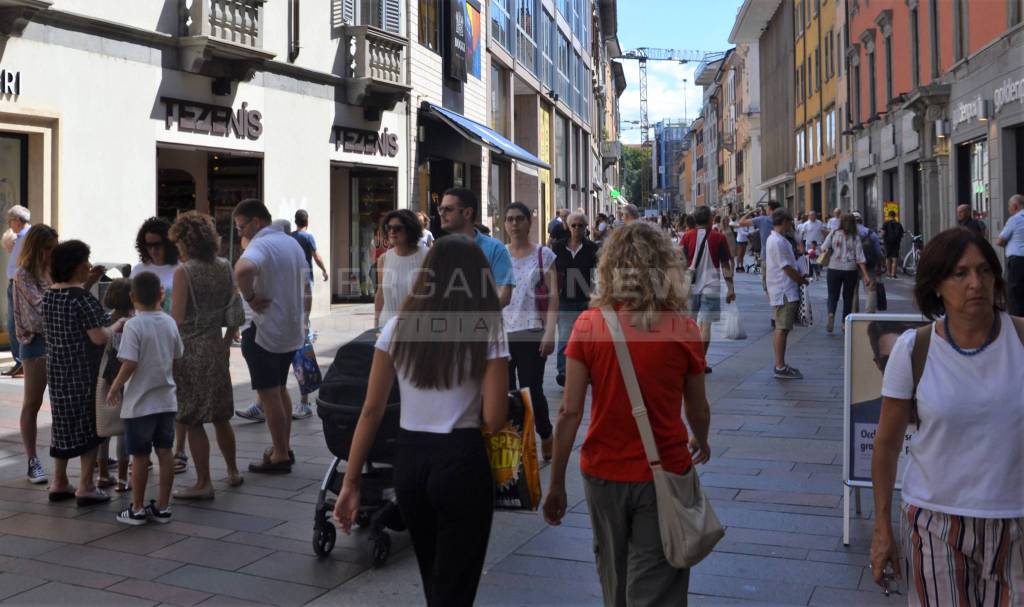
(501, 22)
(857, 113)
(933, 17)
(979, 177)
(526, 45)
(430, 24)
(1015, 12)
(563, 89)
(382, 14)
(888, 68)
(959, 30)
(817, 69)
(499, 99)
(803, 81)
(915, 50)
(798, 14)
(800, 151)
(872, 89)
(547, 50)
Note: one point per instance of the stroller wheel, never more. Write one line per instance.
(324, 536)
(363, 519)
(380, 548)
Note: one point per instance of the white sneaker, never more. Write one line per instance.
(253, 412)
(301, 410)
(130, 517)
(36, 473)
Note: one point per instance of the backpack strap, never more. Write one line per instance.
(918, 359)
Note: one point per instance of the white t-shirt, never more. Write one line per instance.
(812, 231)
(742, 233)
(166, 275)
(779, 254)
(12, 259)
(440, 411)
(967, 457)
(151, 340)
(521, 312)
(281, 271)
(833, 224)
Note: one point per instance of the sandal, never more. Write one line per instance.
(269, 450)
(180, 463)
(122, 487)
(98, 496)
(62, 495)
(236, 479)
(270, 467)
(105, 481)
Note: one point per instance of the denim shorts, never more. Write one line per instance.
(706, 308)
(33, 349)
(143, 434)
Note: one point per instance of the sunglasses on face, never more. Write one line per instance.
(578, 226)
(154, 245)
(394, 228)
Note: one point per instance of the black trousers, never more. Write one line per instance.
(526, 362)
(845, 281)
(1015, 280)
(446, 495)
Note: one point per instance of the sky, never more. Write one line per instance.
(689, 25)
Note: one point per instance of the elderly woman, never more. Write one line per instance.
(17, 222)
(846, 263)
(398, 267)
(640, 279)
(77, 328)
(205, 301)
(30, 284)
(962, 519)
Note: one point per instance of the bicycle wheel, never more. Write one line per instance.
(910, 263)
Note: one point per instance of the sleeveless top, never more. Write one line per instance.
(211, 299)
(397, 276)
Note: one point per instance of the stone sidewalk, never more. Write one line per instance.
(774, 477)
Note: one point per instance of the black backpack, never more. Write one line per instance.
(871, 259)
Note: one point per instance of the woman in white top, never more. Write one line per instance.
(531, 332)
(453, 375)
(398, 267)
(847, 259)
(962, 519)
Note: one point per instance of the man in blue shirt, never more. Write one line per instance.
(762, 225)
(1012, 237)
(458, 211)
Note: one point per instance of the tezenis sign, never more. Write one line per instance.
(369, 143)
(216, 120)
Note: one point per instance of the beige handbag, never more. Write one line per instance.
(108, 419)
(688, 525)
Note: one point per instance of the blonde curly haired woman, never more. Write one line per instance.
(641, 278)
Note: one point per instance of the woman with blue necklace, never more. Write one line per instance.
(958, 380)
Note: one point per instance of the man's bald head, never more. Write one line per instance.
(1016, 203)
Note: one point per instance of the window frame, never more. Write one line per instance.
(433, 43)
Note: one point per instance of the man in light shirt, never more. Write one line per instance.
(1012, 238)
(783, 281)
(812, 230)
(18, 218)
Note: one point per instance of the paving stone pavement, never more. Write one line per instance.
(774, 478)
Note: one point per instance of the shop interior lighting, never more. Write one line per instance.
(941, 129)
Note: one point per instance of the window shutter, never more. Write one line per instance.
(390, 18)
(348, 12)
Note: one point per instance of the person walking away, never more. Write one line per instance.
(742, 236)
(873, 258)
(558, 231)
(892, 236)
(205, 303)
(442, 475)
(962, 518)
(427, 239)
(270, 277)
(617, 478)
(531, 330)
(145, 390)
(783, 281)
(306, 240)
(575, 262)
(846, 263)
(813, 230)
(459, 209)
(1012, 239)
(762, 228)
(18, 218)
(31, 280)
(397, 269)
(77, 328)
(834, 221)
(710, 263)
(965, 219)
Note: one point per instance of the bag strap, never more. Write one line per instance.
(540, 262)
(636, 399)
(918, 359)
(700, 249)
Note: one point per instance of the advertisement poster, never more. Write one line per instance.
(473, 38)
(869, 340)
(890, 206)
(456, 56)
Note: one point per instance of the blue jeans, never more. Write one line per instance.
(15, 346)
(568, 312)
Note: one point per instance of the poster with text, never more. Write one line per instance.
(869, 340)
(473, 38)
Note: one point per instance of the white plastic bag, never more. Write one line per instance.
(805, 314)
(733, 323)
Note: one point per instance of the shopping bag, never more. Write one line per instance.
(306, 369)
(805, 316)
(882, 301)
(108, 419)
(733, 322)
(512, 452)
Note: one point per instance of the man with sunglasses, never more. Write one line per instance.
(575, 262)
(458, 211)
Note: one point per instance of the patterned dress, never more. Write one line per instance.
(72, 364)
(202, 375)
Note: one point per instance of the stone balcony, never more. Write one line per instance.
(611, 153)
(374, 67)
(223, 38)
(16, 14)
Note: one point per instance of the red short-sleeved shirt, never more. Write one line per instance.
(662, 359)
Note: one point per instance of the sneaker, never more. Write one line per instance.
(788, 372)
(301, 410)
(253, 412)
(36, 473)
(130, 517)
(156, 514)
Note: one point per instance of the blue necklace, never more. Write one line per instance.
(992, 335)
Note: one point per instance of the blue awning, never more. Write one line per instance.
(482, 135)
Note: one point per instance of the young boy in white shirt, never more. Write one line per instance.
(149, 345)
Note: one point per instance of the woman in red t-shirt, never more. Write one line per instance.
(640, 276)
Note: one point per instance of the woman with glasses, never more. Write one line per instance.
(398, 267)
(531, 330)
(575, 262)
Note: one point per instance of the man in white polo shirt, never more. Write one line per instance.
(271, 278)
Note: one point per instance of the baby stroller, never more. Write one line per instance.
(338, 405)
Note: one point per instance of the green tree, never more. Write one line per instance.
(636, 162)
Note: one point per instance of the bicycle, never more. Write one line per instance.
(913, 257)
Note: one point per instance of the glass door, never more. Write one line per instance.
(373, 196)
(13, 191)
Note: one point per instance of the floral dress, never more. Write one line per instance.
(72, 365)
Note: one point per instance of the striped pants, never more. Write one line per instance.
(959, 561)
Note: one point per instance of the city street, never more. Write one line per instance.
(774, 477)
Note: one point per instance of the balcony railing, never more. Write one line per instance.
(223, 38)
(375, 65)
(236, 21)
(611, 152)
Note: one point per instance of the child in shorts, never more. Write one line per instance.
(149, 345)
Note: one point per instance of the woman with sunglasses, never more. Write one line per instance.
(398, 267)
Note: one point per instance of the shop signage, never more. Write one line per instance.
(967, 111)
(1012, 90)
(215, 120)
(10, 82)
(368, 143)
(457, 40)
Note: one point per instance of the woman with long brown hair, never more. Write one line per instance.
(31, 281)
(448, 350)
(846, 263)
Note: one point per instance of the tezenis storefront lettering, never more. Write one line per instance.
(358, 141)
(216, 120)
